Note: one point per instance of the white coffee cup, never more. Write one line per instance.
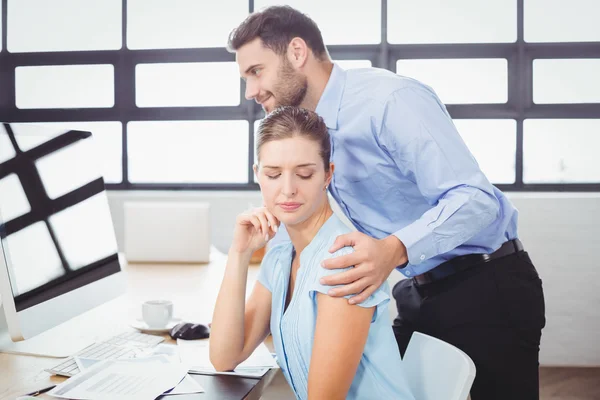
(157, 313)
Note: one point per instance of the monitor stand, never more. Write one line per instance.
(47, 344)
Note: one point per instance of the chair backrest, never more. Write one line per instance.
(436, 370)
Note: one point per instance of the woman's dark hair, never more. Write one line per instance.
(287, 122)
(276, 26)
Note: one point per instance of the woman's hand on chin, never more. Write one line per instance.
(253, 229)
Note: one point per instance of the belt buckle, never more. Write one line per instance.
(424, 278)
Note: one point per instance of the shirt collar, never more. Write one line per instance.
(329, 103)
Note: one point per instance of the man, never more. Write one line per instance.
(409, 184)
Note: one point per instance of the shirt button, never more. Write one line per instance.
(407, 272)
(422, 257)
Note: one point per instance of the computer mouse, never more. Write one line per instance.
(190, 331)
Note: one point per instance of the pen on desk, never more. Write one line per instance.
(40, 391)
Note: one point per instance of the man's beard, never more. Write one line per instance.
(291, 87)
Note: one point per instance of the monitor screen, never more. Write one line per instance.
(55, 223)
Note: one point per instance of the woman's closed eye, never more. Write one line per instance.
(275, 176)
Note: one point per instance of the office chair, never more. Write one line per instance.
(436, 370)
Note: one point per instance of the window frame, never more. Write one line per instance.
(520, 106)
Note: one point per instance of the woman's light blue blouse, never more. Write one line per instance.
(379, 374)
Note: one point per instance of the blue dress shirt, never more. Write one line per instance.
(379, 374)
(402, 168)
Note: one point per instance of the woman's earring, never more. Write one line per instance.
(325, 188)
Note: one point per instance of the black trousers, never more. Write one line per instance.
(494, 312)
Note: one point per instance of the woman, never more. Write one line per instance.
(327, 349)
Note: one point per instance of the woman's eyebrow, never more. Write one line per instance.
(297, 166)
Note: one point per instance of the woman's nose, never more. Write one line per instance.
(289, 187)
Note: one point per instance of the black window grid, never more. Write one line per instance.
(520, 106)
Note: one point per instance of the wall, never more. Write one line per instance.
(562, 234)
(560, 231)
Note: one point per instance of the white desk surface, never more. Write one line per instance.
(193, 288)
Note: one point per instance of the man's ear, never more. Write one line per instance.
(298, 52)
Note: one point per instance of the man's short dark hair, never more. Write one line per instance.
(276, 26)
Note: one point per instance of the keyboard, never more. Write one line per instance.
(123, 346)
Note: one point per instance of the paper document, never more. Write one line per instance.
(170, 350)
(137, 379)
(85, 363)
(195, 354)
(187, 386)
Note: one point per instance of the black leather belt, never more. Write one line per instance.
(462, 263)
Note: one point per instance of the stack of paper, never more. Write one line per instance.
(139, 378)
(195, 354)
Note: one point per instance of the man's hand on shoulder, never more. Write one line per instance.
(373, 261)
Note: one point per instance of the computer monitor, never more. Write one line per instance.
(58, 251)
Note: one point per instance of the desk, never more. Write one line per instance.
(193, 288)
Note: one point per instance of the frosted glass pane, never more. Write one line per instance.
(561, 21)
(461, 81)
(69, 168)
(31, 269)
(456, 21)
(160, 24)
(188, 151)
(493, 142)
(65, 86)
(566, 81)
(340, 21)
(187, 84)
(561, 151)
(64, 25)
(349, 64)
(14, 202)
(107, 141)
(80, 242)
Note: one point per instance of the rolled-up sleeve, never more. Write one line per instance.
(418, 133)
